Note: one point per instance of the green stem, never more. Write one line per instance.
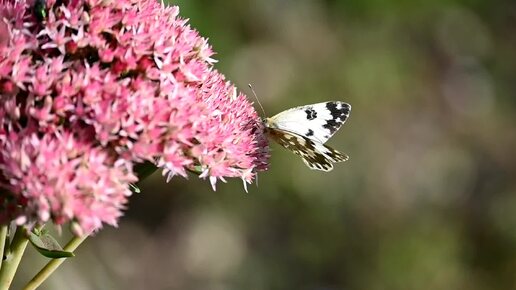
(51, 266)
(3, 238)
(10, 264)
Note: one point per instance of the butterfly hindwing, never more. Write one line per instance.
(317, 121)
(314, 154)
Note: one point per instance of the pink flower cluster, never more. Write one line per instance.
(100, 86)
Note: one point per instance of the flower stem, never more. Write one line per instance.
(13, 258)
(51, 266)
(3, 238)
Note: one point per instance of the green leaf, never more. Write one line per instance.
(46, 245)
(134, 188)
(40, 10)
(197, 169)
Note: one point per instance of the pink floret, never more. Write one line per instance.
(100, 86)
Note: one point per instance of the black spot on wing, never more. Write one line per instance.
(325, 165)
(309, 133)
(339, 113)
(334, 155)
(310, 113)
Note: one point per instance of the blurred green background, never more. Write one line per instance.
(426, 201)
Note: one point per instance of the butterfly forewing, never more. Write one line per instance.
(317, 121)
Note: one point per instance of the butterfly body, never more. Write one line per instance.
(304, 130)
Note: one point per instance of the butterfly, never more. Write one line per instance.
(304, 130)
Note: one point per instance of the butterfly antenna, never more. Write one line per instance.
(260, 104)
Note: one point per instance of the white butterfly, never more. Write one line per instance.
(304, 130)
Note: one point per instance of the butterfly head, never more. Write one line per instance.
(268, 123)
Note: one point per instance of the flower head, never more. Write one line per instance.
(98, 86)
